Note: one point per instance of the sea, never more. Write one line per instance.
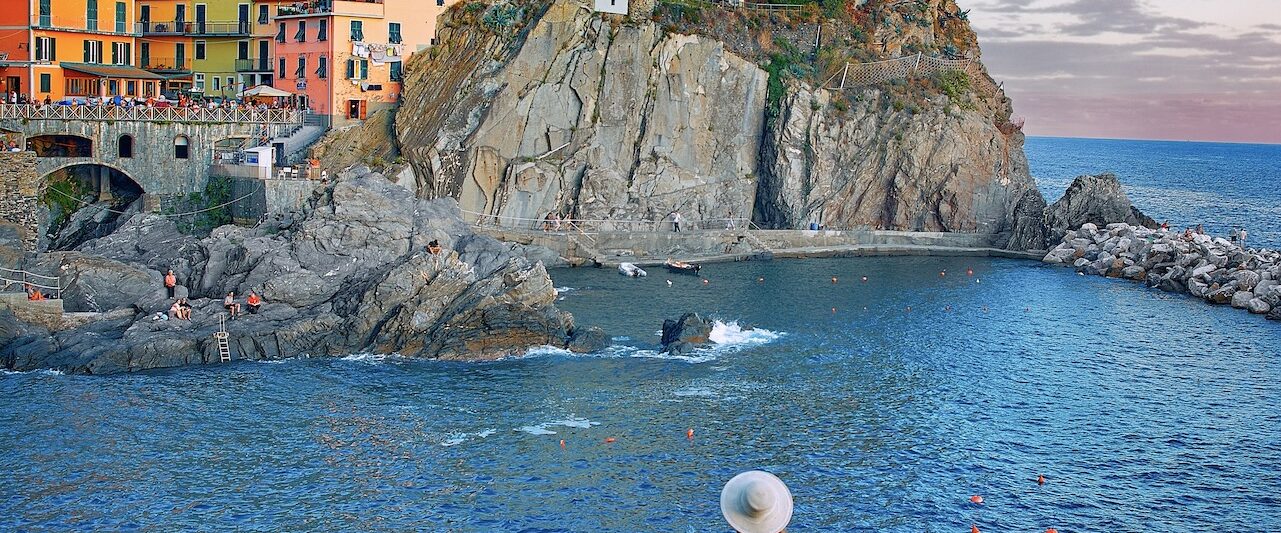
(885, 399)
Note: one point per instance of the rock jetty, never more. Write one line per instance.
(1211, 268)
(353, 272)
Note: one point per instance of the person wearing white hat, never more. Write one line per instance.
(756, 502)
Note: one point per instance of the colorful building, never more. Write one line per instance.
(345, 58)
(164, 47)
(77, 49)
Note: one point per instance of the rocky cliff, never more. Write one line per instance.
(529, 108)
(351, 273)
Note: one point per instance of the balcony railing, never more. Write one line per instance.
(316, 7)
(254, 64)
(165, 64)
(150, 114)
(176, 27)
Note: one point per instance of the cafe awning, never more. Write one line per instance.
(111, 71)
(266, 91)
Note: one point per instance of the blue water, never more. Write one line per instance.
(1217, 185)
(1145, 412)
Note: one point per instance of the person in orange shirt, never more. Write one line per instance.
(171, 282)
(254, 302)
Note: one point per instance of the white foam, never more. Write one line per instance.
(454, 439)
(42, 371)
(564, 290)
(731, 334)
(571, 422)
(543, 351)
(374, 358)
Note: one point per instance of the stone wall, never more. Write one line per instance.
(268, 197)
(20, 191)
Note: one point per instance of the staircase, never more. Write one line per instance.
(756, 242)
(224, 348)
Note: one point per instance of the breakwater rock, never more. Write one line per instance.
(351, 273)
(686, 333)
(1210, 268)
(1097, 199)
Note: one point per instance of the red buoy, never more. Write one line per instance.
(974, 528)
(689, 433)
(1040, 479)
(976, 499)
(610, 439)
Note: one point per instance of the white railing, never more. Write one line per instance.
(863, 74)
(22, 278)
(587, 226)
(150, 114)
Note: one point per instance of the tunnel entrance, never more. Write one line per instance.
(87, 202)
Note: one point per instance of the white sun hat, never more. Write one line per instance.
(756, 502)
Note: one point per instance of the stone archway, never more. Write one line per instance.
(60, 145)
(86, 200)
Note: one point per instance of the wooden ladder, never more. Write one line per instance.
(224, 349)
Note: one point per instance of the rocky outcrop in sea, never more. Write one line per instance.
(351, 273)
(1211, 268)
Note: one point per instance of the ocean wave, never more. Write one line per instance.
(571, 422)
(565, 290)
(731, 334)
(40, 371)
(454, 439)
(374, 358)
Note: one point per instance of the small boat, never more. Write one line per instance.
(631, 270)
(681, 267)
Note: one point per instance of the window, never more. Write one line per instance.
(440, 2)
(397, 73)
(46, 49)
(357, 70)
(180, 55)
(200, 49)
(357, 30)
(198, 82)
(217, 84)
(231, 83)
(301, 73)
(91, 15)
(280, 33)
(113, 87)
(149, 88)
(46, 83)
(262, 13)
(144, 55)
(301, 35)
(322, 34)
(132, 89)
(242, 50)
(364, 69)
(351, 69)
(93, 52)
(83, 86)
(322, 69)
(46, 13)
(393, 33)
(120, 17)
(121, 54)
(280, 72)
(180, 148)
(124, 147)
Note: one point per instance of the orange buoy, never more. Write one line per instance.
(976, 499)
(1051, 530)
(610, 439)
(705, 282)
(562, 444)
(1040, 479)
(689, 433)
(974, 528)
(943, 274)
(969, 272)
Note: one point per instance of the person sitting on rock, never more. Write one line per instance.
(171, 282)
(185, 307)
(34, 294)
(254, 302)
(229, 303)
(175, 310)
(433, 247)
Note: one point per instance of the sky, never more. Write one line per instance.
(1204, 70)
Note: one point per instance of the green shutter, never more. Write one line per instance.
(46, 83)
(364, 69)
(351, 69)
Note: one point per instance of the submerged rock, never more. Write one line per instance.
(685, 333)
(351, 273)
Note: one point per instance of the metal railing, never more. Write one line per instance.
(150, 114)
(164, 63)
(22, 278)
(181, 27)
(254, 64)
(588, 226)
(315, 7)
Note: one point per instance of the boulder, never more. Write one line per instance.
(1095, 200)
(588, 340)
(1241, 299)
(1247, 279)
(1135, 273)
(685, 333)
(1258, 306)
(1060, 255)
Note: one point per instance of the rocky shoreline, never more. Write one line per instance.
(1213, 269)
(351, 273)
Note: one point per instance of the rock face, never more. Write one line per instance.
(578, 113)
(1212, 269)
(1097, 200)
(685, 333)
(350, 274)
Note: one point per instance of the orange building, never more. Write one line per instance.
(78, 49)
(164, 46)
(345, 58)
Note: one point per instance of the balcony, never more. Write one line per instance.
(195, 115)
(254, 64)
(359, 8)
(196, 29)
(165, 64)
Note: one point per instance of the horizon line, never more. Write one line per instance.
(1190, 141)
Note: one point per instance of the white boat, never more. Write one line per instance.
(631, 271)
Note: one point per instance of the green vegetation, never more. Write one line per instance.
(956, 85)
(208, 209)
(787, 63)
(62, 196)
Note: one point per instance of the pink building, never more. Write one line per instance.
(345, 58)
